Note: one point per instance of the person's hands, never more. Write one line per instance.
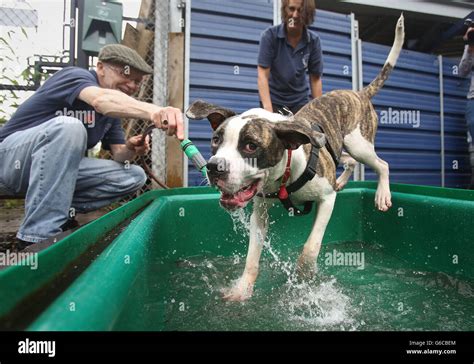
(471, 47)
(471, 29)
(134, 144)
(169, 119)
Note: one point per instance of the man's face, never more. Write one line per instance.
(293, 14)
(119, 77)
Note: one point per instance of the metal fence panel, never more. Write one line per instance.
(408, 135)
(456, 161)
(224, 50)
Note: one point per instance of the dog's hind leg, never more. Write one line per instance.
(349, 164)
(306, 265)
(364, 152)
(243, 288)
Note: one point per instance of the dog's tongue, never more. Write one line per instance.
(240, 198)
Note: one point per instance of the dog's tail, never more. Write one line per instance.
(379, 81)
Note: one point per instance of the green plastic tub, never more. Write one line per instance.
(161, 261)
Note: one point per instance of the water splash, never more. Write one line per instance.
(316, 304)
(241, 222)
(319, 305)
(286, 266)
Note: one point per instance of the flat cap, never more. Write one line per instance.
(119, 53)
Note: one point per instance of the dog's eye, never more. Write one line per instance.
(250, 147)
(216, 140)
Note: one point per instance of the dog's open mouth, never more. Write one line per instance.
(241, 198)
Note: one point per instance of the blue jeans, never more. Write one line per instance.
(47, 164)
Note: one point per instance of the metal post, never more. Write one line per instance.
(187, 60)
(360, 73)
(441, 117)
(355, 74)
(276, 12)
(82, 57)
(354, 37)
(72, 33)
(357, 80)
(160, 83)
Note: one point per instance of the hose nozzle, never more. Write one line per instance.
(194, 155)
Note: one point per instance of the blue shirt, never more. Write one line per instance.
(289, 66)
(58, 97)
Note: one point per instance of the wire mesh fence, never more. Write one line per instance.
(134, 127)
(143, 43)
(139, 37)
(16, 23)
(18, 28)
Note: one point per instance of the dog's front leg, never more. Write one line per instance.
(306, 265)
(243, 288)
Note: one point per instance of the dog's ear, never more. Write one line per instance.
(215, 114)
(293, 135)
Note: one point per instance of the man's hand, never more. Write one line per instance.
(134, 145)
(169, 119)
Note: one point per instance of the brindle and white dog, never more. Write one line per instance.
(250, 155)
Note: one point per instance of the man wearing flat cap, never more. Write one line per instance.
(43, 145)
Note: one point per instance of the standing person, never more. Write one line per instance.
(287, 53)
(465, 67)
(43, 145)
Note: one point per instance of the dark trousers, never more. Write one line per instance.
(277, 108)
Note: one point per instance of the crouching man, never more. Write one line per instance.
(43, 145)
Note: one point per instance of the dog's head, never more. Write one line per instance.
(245, 147)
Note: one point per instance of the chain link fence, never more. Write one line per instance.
(142, 39)
(18, 24)
(139, 36)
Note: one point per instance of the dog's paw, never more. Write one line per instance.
(383, 199)
(242, 291)
(306, 268)
(341, 182)
(348, 163)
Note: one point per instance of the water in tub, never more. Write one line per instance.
(358, 287)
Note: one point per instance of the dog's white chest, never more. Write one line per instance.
(314, 190)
